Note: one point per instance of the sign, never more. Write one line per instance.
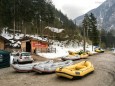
(39, 44)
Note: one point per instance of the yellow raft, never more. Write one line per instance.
(98, 50)
(72, 53)
(84, 56)
(78, 70)
(89, 53)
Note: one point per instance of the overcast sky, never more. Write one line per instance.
(75, 8)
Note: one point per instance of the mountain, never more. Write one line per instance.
(105, 15)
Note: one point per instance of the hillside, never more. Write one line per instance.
(31, 16)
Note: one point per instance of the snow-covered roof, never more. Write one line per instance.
(3, 38)
(56, 30)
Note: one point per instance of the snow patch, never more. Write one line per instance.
(63, 51)
(56, 30)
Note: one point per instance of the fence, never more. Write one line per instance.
(45, 50)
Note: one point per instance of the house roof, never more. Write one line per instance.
(30, 38)
(6, 40)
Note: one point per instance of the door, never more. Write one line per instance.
(28, 46)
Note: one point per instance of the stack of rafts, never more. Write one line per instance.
(71, 56)
(41, 67)
(76, 55)
(51, 66)
(28, 67)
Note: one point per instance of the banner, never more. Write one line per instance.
(39, 45)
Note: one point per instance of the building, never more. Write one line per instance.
(3, 43)
(32, 44)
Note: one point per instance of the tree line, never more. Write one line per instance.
(98, 36)
(108, 38)
(89, 29)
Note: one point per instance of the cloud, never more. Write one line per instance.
(72, 11)
(75, 8)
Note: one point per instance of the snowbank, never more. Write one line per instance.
(60, 52)
(63, 51)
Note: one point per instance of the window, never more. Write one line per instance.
(25, 54)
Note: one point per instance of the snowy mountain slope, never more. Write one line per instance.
(105, 15)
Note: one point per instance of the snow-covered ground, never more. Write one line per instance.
(63, 51)
(60, 51)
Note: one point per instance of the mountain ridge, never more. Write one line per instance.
(105, 15)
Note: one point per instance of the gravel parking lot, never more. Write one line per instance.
(104, 75)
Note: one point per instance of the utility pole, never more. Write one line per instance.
(25, 32)
(14, 21)
(100, 40)
(113, 45)
(92, 45)
(100, 27)
(40, 24)
(36, 24)
(84, 39)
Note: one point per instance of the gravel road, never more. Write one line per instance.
(104, 75)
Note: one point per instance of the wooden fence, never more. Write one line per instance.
(46, 50)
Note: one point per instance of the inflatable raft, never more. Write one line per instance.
(78, 70)
(72, 53)
(84, 56)
(50, 67)
(98, 50)
(89, 53)
(71, 57)
(27, 67)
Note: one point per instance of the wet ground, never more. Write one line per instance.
(104, 75)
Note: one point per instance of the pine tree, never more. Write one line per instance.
(85, 28)
(94, 32)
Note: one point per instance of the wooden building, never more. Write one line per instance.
(31, 45)
(3, 43)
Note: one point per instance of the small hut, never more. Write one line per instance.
(31, 45)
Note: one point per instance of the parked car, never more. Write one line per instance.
(12, 55)
(113, 51)
(22, 57)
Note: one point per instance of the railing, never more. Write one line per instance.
(46, 50)
(42, 50)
